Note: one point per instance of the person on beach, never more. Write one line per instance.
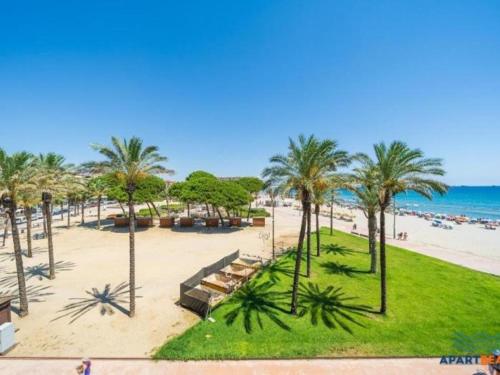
(405, 236)
(84, 367)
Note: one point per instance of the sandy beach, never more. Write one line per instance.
(83, 311)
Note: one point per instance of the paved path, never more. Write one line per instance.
(405, 366)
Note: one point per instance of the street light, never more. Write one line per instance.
(394, 218)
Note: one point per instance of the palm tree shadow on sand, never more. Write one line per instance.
(10, 256)
(255, 301)
(39, 271)
(330, 306)
(35, 293)
(107, 301)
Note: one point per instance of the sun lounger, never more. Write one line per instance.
(238, 271)
(220, 282)
(247, 262)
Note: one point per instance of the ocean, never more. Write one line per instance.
(471, 201)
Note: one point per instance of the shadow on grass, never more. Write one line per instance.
(335, 268)
(39, 271)
(330, 306)
(292, 254)
(108, 300)
(253, 302)
(275, 271)
(337, 249)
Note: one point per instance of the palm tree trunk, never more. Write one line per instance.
(62, 213)
(308, 272)
(28, 212)
(6, 229)
(21, 282)
(318, 236)
(131, 236)
(83, 211)
(302, 232)
(44, 215)
(383, 286)
(298, 260)
(52, 271)
(99, 198)
(372, 240)
(69, 214)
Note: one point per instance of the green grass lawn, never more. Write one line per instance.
(429, 302)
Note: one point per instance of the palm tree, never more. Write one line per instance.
(319, 192)
(29, 197)
(363, 183)
(307, 163)
(51, 171)
(97, 187)
(13, 171)
(129, 161)
(401, 169)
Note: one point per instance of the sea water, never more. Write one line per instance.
(471, 201)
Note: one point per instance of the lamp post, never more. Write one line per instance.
(47, 200)
(394, 216)
(331, 213)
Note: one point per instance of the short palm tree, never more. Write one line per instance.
(129, 161)
(13, 172)
(401, 169)
(307, 163)
(97, 187)
(363, 183)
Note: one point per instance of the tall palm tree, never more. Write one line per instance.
(307, 162)
(319, 199)
(29, 197)
(401, 169)
(13, 170)
(129, 161)
(363, 183)
(51, 171)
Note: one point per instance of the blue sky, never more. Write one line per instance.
(220, 85)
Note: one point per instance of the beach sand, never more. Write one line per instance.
(89, 260)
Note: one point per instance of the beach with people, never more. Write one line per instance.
(83, 311)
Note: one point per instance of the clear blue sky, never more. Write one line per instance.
(220, 85)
